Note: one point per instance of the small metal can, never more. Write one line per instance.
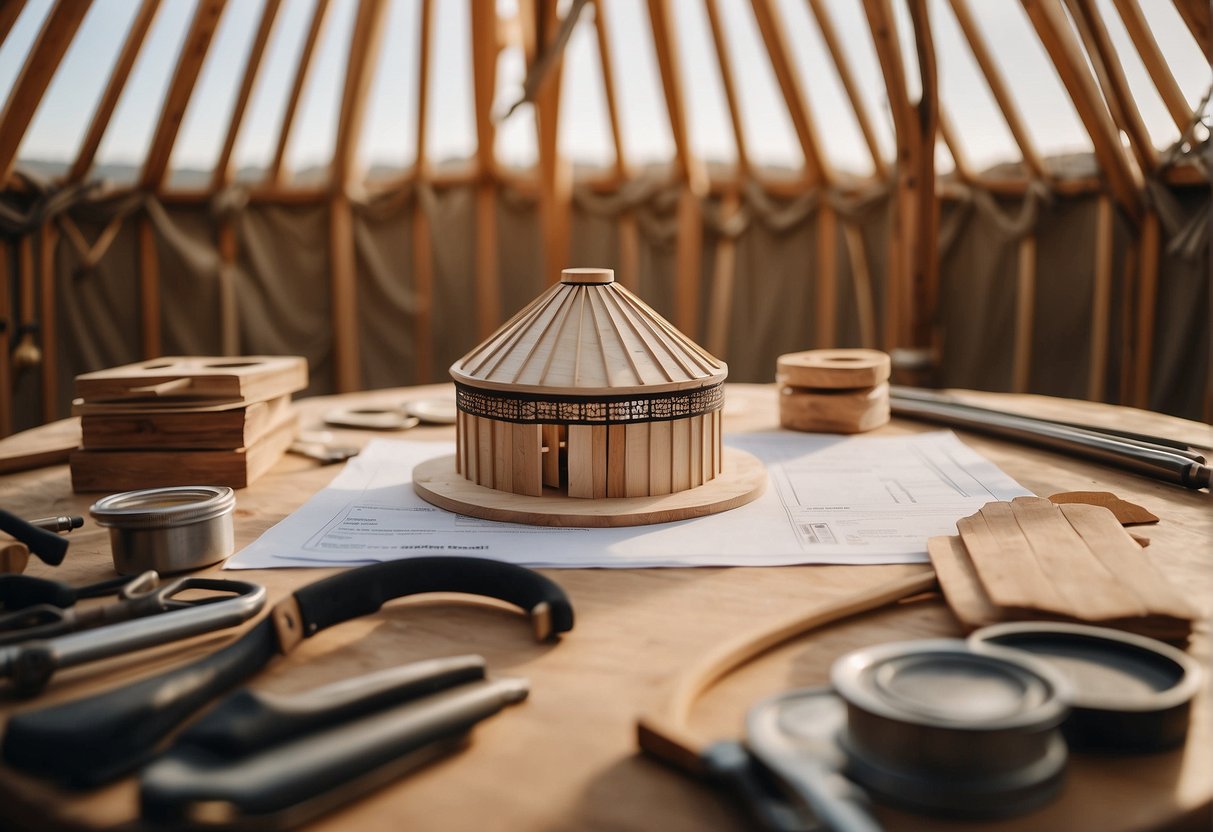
(168, 529)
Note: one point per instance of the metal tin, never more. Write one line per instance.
(939, 727)
(168, 529)
(1129, 693)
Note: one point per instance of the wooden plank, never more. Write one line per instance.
(222, 175)
(842, 64)
(599, 445)
(696, 450)
(774, 37)
(637, 472)
(484, 453)
(1156, 65)
(553, 435)
(527, 465)
(1025, 315)
(1148, 254)
(680, 455)
(149, 289)
(196, 380)
(276, 172)
(660, 458)
(41, 62)
(1101, 301)
(113, 90)
(47, 284)
(581, 461)
(503, 456)
(189, 64)
(1112, 81)
(961, 586)
(616, 479)
(825, 328)
(6, 337)
(1009, 570)
(725, 61)
(1058, 39)
(998, 88)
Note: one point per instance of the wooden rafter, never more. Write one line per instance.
(39, 68)
(728, 80)
(1148, 252)
(365, 43)
(540, 25)
(181, 88)
(113, 89)
(48, 239)
(606, 65)
(1058, 39)
(925, 231)
(1156, 65)
(423, 259)
(9, 12)
(1112, 80)
(689, 251)
(888, 50)
(223, 167)
(950, 138)
(149, 289)
(485, 46)
(780, 53)
(1101, 300)
(842, 63)
(1199, 19)
(998, 88)
(6, 339)
(277, 171)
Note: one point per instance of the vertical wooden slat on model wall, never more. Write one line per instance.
(423, 256)
(6, 335)
(1025, 314)
(1101, 300)
(149, 289)
(48, 238)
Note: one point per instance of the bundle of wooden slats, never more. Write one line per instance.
(1032, 558)
(185, 421)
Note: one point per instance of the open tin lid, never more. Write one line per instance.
(1128, 692)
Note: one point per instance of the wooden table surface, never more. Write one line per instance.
(567, 758)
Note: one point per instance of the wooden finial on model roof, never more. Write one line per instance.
(584, 276)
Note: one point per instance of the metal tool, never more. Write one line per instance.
(60, 524)
(18, 592)
(1135, 452)
(291, 782)
(98, 738)
(47, 545)
(137, 597)
(31, 664)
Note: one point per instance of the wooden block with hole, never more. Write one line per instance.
(249, 378)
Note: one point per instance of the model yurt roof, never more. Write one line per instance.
(588, 334)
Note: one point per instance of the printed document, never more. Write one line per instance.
(829, 499)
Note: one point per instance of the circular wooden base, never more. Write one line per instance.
(436, 482)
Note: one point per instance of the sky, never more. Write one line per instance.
(389, 134)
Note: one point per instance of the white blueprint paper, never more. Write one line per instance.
(829, 500)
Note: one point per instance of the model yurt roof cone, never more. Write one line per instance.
(594, 393)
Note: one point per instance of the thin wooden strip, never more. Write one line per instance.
(695, 451)
(484, 453)
(617, 461)
(1005, 563)
(527, 473)
(461, 442)
(1123, 558)
(47, 285)
(609, 358)
(503, 456)
(615, 299)
(643, 312)
(680, 455)
(6, 314)
(276, 172)
(551, 459)
(962, 588)
(1156, 65)
(149, 289)
(660, 448)
(606, 60)
(562, 296)
(1101, 301)
(1148, 253)
(725, 62)
(581, 292)
(598, 460)
(509, 333)
(1092, 592)
(555, 347)
(9, 12)
(1025, 315)
(343, 266)
(637, 473)
(581, 461)
(222, 175)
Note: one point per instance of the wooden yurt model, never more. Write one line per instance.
(589, 391)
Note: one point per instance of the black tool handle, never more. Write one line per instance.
(250, 720)
(287, 783)
(18, 592)
(93, 740)
(363, 591)
(45, 544)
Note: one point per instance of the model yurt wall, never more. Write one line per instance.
(1009, 196)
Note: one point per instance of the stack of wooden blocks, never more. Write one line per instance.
(185, 421)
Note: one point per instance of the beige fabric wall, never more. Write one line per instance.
(282, 285)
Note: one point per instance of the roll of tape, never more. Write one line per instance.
(834, 411)
(847, 369)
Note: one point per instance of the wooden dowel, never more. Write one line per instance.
(1025, 315)
(1101, 300)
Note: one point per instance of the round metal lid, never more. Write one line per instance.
(1128, 692)
(154, 508)
(944, 682)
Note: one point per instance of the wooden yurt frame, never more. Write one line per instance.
(901, 317)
